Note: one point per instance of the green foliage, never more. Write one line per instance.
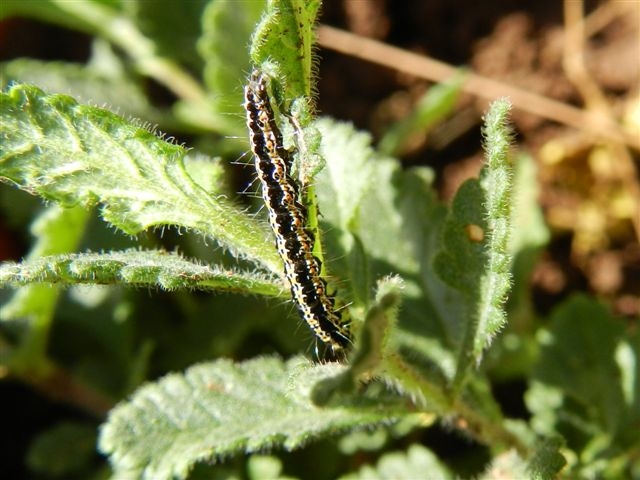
(545, 462)
(224, 52)
(137, 268)
(174, 26)
(417, 462)
(220, 408)
(424, 284)
(58, 230)
(475, 258)
(67, 449)
(282, 44)
(585, 387)
(101, 83)
(74, 154)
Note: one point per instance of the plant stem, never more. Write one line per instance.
(120, 31)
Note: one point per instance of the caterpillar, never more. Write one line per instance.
(287, 218)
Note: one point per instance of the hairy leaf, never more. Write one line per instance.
(474, 257)
(218, 409)
(544, 464)
(547, 460)
(284, 37)
(417, 462)
(380, 221)
(166, 270)
(72, 153)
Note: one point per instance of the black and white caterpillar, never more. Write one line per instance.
(287, 217)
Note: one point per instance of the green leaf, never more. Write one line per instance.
(338, 177)
(174, 27)
(474, 257)
(226, 30)
(585, 388)
(263, 466)
(529, 236)
(341, 194)
(65, 450)
(284, 39)
(545, 463)
(578, 357)
(168, 271)
(379, 221)
(547, 460)
(86, 84)
(57, 230)
(373, 343)
(49, 11)
(436, 104)
(417, 462)
(104, 19)
(463, 260)
(209, 173)
(220, 409)
(73, 154)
